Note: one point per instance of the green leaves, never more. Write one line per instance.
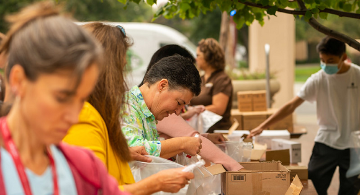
(136, 1)
(315, 10)
(265, 2)
(247, 14)
(206, 3)
(150, 2)
(184, 6)
(323, 15)
(272, 10)
(308, 15)
(239, 20)
(284, 2)
(347, 7)
(122, 1)
(309, 1)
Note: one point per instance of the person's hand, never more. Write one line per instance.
(193, 110)
(192, 145)
(254, 132)
(138, 152)
(172, 180)
(199, 108)
(216, 138)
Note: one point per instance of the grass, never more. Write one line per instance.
(304, 72)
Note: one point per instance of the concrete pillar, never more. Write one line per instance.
(279, 32)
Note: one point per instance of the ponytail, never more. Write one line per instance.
(42, 41)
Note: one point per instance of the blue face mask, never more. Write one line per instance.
(329, 68)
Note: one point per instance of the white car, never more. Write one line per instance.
(147, 39)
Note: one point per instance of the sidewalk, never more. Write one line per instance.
(305, 115)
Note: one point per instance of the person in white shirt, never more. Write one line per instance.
(335, 88)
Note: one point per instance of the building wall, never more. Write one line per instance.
(279, 32)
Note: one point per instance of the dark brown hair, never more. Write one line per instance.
(331, 46)
(42, 41)
(213, 54)
(109, 93)
(166, 51)
(178, 70)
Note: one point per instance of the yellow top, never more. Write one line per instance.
(91, 133)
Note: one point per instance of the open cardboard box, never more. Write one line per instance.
(279, 155)
(258, 178)
(258, 151)
(300, 171)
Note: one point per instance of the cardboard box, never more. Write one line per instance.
(301, 171)
(267, 135)
(295, 187)
(259, 100)
(270, 178)
(294, 147)
(278, 155)
(244, 99)
(236, 114)
(286, 123)
(253, 119)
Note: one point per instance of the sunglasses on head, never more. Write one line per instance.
(122, 30)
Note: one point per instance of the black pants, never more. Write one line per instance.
(322, 165)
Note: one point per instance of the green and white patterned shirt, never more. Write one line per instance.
(138, 123)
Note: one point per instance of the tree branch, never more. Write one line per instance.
(341, 37)
(327, 31)
(302, 12)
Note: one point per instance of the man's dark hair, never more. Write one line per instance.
(166, 51)
(331, 46)
(179, 71)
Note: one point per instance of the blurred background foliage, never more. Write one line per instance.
(202, 26)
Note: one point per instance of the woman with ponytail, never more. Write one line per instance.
(53, 66)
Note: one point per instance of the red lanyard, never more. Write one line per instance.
(11, 148)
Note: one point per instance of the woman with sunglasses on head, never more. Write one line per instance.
(53, 66)
(99, 128)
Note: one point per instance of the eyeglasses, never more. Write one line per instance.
(122, 29)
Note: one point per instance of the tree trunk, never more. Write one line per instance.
(227, 39)
(224, 29)
(231, 45)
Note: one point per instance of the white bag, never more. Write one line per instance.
(233, 149)
(204, 121)
(142, 170)
(204, 182)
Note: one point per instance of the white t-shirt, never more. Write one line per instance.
(337, 104)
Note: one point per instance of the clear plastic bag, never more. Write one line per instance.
(232, 148)
(142, 170)
(204, 182)
(247, 147)
(203, 121)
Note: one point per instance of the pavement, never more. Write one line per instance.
(305, 116)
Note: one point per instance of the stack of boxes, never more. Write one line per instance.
(252, 111)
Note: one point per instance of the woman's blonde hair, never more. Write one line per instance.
(109, 93)
(213, 53)
(40, 40)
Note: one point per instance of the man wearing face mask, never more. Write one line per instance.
(335, 88)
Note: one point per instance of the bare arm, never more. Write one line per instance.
(280, 114)
(175, 126)
(219, 103)
(174, 146)
(171, 180)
